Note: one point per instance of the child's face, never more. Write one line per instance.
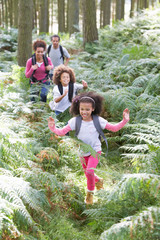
(65, 79)
(86, 110)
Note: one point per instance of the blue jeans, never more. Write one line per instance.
(57, 112)
(51, 75)
(41, 88)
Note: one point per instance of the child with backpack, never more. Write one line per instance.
(65, 88)
(87, 105)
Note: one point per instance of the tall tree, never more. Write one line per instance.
(73, 19)
(10, 10)
(2, 13)
(90, 33)
(105, 12)
(51, 15)
(61, 16)
(133, 2)
(24, 31)
(113, 10)
(44, 16)
(120, 9)
(15, 12)
(6, 12)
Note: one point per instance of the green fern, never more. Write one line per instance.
(21, 195)
(143, 146)
(127, 197)
(7, 224)
(144, 225)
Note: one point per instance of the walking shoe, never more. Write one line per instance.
(89, 198)
(99, 184)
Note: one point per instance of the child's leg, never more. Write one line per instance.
(89, 164)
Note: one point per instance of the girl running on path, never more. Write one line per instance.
(86, 105)
(65, 88)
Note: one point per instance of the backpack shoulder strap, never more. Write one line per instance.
(78, 124)
(49, 49)
(34, 59)
(70, 92)
(99, 129)
(62, 53)
(45, 60)
(60, 88)
(33, 63)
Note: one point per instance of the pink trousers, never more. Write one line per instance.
(89, 163)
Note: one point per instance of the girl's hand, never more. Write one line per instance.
(126, 114)
(84, 84)
(35, 66)
(48, 68)
(51, 122)
(65, 92)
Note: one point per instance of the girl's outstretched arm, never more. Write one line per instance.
(118, 126)
(60, 132)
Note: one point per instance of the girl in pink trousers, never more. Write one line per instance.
(86, 105)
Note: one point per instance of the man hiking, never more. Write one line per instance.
(57, 54)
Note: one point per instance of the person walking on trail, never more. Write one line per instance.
(58, 54)
(65, 88)
(87, 105)
(37, 69)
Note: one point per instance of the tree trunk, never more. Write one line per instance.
(15, 13)
(146, 3)
(106, 12)
(6, 13)
(10, 13)
(132, 8)
(24, 31)
(113, 10)
(101, 13)
(73, 20)
(90, 33)
(120, 9)
(67, 16)
(44, 17)
(61, 16)
(3, 14)
(52, 22)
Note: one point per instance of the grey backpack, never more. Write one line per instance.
(96, 124)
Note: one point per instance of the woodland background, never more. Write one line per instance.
(42, 185)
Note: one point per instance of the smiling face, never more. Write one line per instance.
(39, 53)
(65, 79)
(86, 110)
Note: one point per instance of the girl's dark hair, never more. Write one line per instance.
(89, 97)
(61, 69)
(39, 43)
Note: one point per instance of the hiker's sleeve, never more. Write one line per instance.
(62, 131)
(116, 127)
(72, 123)
(29, 69)
(66, 54)
(78, 86)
